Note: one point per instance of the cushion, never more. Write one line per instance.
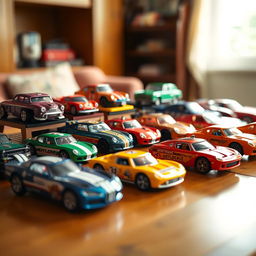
(57, 81)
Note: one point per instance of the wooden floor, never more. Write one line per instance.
(211, 214)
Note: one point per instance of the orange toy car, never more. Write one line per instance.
(248, 128)
(104, 95)
(169, 128)
(231, 137)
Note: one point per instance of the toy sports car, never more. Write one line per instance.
(10, 151)
(63, 180)
(157, 93)
(169, 128)
(63, 145)
(141, 168)
(228, 136)
(245, 113)
(142, 135)
(78, 104)
(104, 95)
(100, 134)
(198, 153)
(29, 106)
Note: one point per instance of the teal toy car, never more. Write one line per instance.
(63, 145)
(158, 93)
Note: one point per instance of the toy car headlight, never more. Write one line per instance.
(251, 144)
(75, 152)
(158, 175)
(94, 148)
(80, 105)
(219, 159)
(91, 193)
(43, 109)
(114, 139)
(158, 132)
(117, 184)
(112, 97)
(61, 107)
(127, 96)
(142, 135)
(176, 130)
(130, 137)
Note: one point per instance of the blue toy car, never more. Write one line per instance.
(77, 187)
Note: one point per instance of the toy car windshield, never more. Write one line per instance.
(65, 140)
(146, 159)
(4, 139)
(231, 131)
(41, 99)
(79, 99)
(104, 88)
(99, 128)
(132, 124)
(166, 119)
(203, 145)
(64, 168)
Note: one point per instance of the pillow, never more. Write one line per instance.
(57, 81)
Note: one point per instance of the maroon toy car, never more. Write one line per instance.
(29, 106)
(142, 135)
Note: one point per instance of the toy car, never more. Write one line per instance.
(63, 180)
(248, 128)
(29, 106)
(141, 168)
(157, 93)
(169, 128)
(228, 136)
(193, 113)
(10, 151)
(198, 153)
(142, 135)
(247, 114)
(104, 95)
(78, 104)
(99, 134)
(63, 145)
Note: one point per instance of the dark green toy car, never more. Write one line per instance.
(63, 145)
(158, 93)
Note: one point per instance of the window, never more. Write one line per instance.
(82, 127)
(40, 139)
(38, 168)
(122, 161)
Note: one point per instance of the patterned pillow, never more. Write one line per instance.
(57, 81)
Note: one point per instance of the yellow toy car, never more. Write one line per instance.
(141, 168)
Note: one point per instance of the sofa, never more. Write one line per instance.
(83, 76)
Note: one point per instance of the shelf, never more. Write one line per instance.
(163, 53)
(68, 3)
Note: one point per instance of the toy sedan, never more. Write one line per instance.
(104, 95)
(169, 128)
(231, 137)
(157, 93)
(11, 151)
(141, 168)
(63, 145)
(198, 153)
(247, 114)
(99, 134)
(63, 180)
(78, 104)
(29, 106)
(142, 135)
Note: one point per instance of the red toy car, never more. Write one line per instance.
(197, 153)
(78, 104)
(28, 106)
(247, 114)
(142, 135)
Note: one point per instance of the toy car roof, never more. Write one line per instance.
(34, 94)
(130, 153)
(155, 115)
(54, 134)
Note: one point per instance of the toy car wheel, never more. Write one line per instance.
(237, 147)
(25, 115)
(32, 149)
(104, 102)
(165, 135)
(17, 185)
(63, 154)
(103, 147)
(73, 110)
(142, 182)
(3, 113)
(98, 167)
(70, 201)
(203, 165)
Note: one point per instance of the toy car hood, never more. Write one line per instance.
(117, 94)
(9, 146)
(244, 136)
(222, 153)
(247, 110)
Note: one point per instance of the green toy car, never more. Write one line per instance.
(158, 93)
(63, 145)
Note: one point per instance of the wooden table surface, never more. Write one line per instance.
(211, 215)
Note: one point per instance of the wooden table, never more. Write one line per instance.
(210, 215)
